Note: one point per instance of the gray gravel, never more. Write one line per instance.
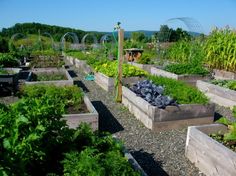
(159, 154)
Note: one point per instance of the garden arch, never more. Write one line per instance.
(50, 36)
(95, 40)
(72, 35)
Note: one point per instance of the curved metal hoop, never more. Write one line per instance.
(49, 35)
(72, 35)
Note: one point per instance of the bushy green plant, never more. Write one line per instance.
(230, 84)
(77, 54)
(220, 49)
(8, 60)
(45, 53)
(180, 69)
(35, 141)
(109, 68)
(49, 77)
(180, 91)
(146, 58)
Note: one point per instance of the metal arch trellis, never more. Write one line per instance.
(192, 24)
(14, 36)
(106, 38)
(52, 40)
(95, 40)
(72, 35)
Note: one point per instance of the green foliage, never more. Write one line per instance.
(231, 134)
(48, 52)
(168, 34)
(8, 60)
(3, 45)
(47, 61)
(180, 91)
(35, 141)
(220, 49)
(77, 54)
(109, 68)
(69, 95)
(181, 69)
(147, 57)
(49, 77)
(138, 36)
(230, 84)
(186, 52)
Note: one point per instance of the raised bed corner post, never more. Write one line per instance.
(120, 62)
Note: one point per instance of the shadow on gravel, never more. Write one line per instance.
(72, 73)
(81, 84)
(147, 162)
(107, 122)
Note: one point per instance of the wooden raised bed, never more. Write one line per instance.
(69, 80)
(210, 156)
(225, 75)
(169, 118)
(73, 120)
(189, 79)
(145, 67)
(108, 83)
(81, 64)
(220, 95)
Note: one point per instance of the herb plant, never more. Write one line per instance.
(230, 84)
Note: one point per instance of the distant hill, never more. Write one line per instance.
(34, 28)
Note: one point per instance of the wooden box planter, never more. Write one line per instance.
(73, 120)
(108, 83)
(189, 79)
(217, 94)
(224, 75)
(210, 156)
(68, 82)
(10, 78)
(169, 118)
(145, 67)
(80, 64)
(70, 59)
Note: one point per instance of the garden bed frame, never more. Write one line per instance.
(171, 117)
(146, 67)
(67, 82)
(73, 120)
(80, 64)
(223, 75)
(210, 156)
(217, 94)
(189, 79)
(108, 83)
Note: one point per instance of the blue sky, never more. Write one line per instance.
(102, 15)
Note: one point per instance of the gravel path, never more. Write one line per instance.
(159, 154)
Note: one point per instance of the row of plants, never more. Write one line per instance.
(48, 77)
(109, 68)
(220, 49)
(230, 84)
(36, 141)
(187, 68)
(179, 91)
(228, 139)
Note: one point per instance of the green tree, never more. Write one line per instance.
(138, 36)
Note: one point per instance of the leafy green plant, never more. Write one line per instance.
(8, 60)
(109, 68)
(230, 84)
(179, 91)
(229, 138)
(146, 58)
(186, 52)
(180, 69)
(220, 49)
(35, 141)
(49, 77)
(77, 54)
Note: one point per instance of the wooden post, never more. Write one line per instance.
(120, 62)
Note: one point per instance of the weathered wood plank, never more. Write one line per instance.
(211, 157)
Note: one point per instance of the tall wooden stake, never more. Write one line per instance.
(120, 62)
